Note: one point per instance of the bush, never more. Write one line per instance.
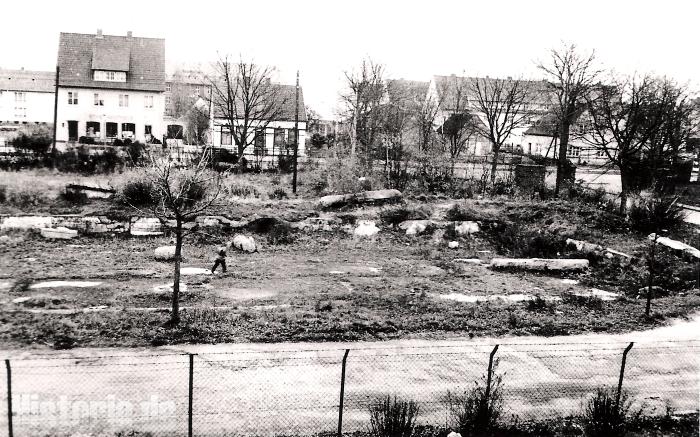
(278, 193)
(394, 216)
(242, 190)
(460, 213)
(654, 214)
(538, 303)
(24, 196)
(526, 242)
(282, 233)
(393, 417)
(602, 417)
(337, 176)
(137, 193)
(75, 197)
(476, 412)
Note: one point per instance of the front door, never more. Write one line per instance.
(72, 130)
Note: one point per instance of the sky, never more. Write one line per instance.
(413, 39)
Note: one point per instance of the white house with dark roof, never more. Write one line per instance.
(26, 97)
(278, 136)
(110, 87)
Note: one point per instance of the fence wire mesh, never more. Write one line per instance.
(265, 391)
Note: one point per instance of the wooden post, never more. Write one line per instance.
(490, 374)
(296, 136)
(190, 393)
(9, 398)
(55, 117)
(622, 375)
(342, 394)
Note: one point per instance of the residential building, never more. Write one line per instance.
(110, 87)
(276, 139)
(26, 99)
(185, 91)
(448, 92)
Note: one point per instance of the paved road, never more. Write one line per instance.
(292, 388)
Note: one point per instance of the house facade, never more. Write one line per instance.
(272, 139)
(110, 87)
(26, 100)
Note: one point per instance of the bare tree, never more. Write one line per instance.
(572, 76)
(176, 196)
(500, 104)
(365, 91)
(459, 125)
(245, 97)
(625, 116)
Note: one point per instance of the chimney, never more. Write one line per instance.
(99, 33)
(128, 34)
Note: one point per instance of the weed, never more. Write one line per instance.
(538, 303)
(654, 214)
(278, 193)
(477, 411)
(393, 417)
(603, 417)
(592, 302)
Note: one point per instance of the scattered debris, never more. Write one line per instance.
(26, 222)
(189, 271)
(569, 281)
(244, 243)
(366, 228)
(468, 260)
(60, 233)
(165, 253)
(168, 288)
(56, 284)
(612, 252)
(584, 246)
(470, 298)
(676, 245)
(598, 293)
(91, 191)
(415, 227)
(21, 299)
(453, 244)
(466, 228)
(540, 264)
(371, 197)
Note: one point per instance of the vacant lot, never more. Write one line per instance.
(331, 285)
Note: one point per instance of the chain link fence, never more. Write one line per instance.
(265, 390)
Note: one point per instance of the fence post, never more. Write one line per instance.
(342, 394)
(622, 374)
(488, 376)
(189, 407)
(9, 398)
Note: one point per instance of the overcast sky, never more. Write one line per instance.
(414, 39)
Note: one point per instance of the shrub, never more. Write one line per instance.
(538, 303)
(592, 302)
(394, 216)
(654, 214)
(26, 195)
(75, 197)
(603, 417)
(460, 213)
(278, 193)
(526, 242)
(393, 417)
(243, 190)
(137, 193)
(478, 410)
(282, 233)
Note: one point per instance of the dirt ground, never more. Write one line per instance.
(324, 286)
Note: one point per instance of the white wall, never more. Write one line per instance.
(39, 107)
(86, 110)
(269, 138)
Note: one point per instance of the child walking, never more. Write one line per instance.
(220, 260)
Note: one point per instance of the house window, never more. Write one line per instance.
(148, 129)
(20, 97)
(600, 153)
(168, 100)
(175, 131)
(260, 149)
(279, 138)
(111, 129)
(226, 139)
(196, 91)
(573, 151)
(148, 102)
(109, 76)
(291, 135)
(98, 100)
(168, 88)
(124, 100)
(92, 129)
(72, 97)
(128, 130)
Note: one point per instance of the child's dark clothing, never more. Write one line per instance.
(220, 261)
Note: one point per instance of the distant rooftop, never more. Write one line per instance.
(26, 80)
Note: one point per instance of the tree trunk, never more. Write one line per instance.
(175, 314)
(494, 163)
(563, 144)
(624, 190)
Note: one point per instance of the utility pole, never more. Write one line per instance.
(296, 136)
(55, 119)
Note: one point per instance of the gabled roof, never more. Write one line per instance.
(447, 88)
(29, 81)
(546, 126)
(286, 95)
(401, 90)
(143, 60)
